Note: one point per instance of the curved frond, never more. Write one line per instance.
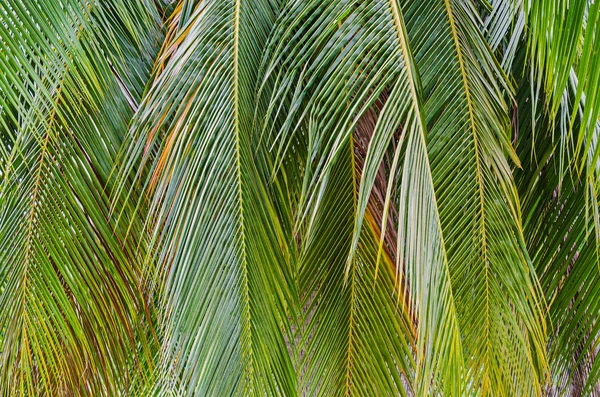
(468, 133)
(354, 337)
(299, 198)
(361, 49)
(343, 63)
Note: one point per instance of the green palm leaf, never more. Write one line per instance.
(354, 337)
(299, 197)
(573, 43)
(215, 233)
(68, 281)
(560, 218)
(343, 78)
(479, 211)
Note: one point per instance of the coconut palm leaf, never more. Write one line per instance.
(560, 215)
(483, 188)
(216, 238)
(72, 73)
(564, 35)
(299, 197)
(354, 337)
(349, 73)
(360, 50)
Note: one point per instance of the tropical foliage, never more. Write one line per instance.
(299, 197)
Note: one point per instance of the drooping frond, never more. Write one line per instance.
(565, 35)
(353, 53)
(479, 210)
(299, 198)
(73, 72)
(560, 217)
(334, 61)
(216, 238)
(353, 337)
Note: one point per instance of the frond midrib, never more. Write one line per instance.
(34, 208)
(247, 347)
(469, 100)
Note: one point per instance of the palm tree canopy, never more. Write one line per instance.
(299, 198)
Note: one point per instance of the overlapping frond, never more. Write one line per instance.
(343, 56)
(299, 197)
(353, 337)
(560, 211)
(353, 52)
(497, 299)
(70, 322)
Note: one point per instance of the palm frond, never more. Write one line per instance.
(68, 283)
(345, 73)
(353, 337)
(560, 218)
(299, 198)
(564, 35)
(350, 55)
(215, 235)
(479, 210)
